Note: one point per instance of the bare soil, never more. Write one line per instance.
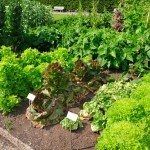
(49, 138)
(6, 145)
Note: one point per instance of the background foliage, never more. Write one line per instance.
(86, 4)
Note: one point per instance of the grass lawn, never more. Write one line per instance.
(58, 16)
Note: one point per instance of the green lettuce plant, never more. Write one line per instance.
(124, 135)
(5, 52)
(71, 125)
(141, 91)
(104, 99)
(8, 102)
(128, 121)
(12, 78)
(30, 57)
(125, 110)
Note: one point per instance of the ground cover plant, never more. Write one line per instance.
(64, 61)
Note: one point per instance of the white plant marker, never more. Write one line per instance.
(72, 116)
(31, 97)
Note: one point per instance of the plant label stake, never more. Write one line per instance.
(72, 116)
(31, 98)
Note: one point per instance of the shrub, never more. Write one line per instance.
(14, 13)
(123, 135)
(15, 19)
(20, 17)
(2, 15)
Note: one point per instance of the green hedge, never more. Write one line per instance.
(86, 4)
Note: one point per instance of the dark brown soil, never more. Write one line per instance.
(49, 138)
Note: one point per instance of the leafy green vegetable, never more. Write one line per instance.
(124, 135)
(8, 102)
(128, 121)
(71, 125)
(105, 97)
(126, 109)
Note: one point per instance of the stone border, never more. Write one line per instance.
(16, 142)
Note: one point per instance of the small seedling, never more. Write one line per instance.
(8, 124)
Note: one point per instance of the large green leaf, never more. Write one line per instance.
(115, 63)
(102, 50)
(102, 61)
(129, 57)
(148, 54)
(147, 48)
(113, 53)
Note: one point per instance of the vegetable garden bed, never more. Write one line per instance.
(51, 137)
(95, 65)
